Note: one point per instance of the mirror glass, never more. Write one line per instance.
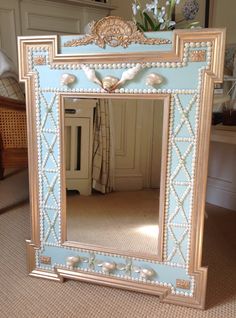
(113, 166)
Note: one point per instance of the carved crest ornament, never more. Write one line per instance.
(113, 31)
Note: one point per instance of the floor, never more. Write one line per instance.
(22, 296)
(126, 220)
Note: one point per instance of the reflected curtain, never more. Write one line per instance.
(103, 150)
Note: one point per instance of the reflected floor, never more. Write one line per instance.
(127, 221)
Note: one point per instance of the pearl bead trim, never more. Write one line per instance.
(188, 47)
(121, 90)
(169, 224)
(87, 260)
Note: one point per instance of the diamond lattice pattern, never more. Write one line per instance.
(49, 167)
(183, 110)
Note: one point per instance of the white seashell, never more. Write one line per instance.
(72, 260)
(129, 74)
(67, 79)
(107, 267)
(153, 79)
(90, 74)
(146, 273)
(109, 82)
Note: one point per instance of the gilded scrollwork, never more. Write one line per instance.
(113, 31)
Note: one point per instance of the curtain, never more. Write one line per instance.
(103, 150)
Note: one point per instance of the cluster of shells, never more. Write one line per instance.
(109, 267)
(110, 83)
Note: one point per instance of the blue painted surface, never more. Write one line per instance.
(175, 78)
(164, 273)
(178, 78)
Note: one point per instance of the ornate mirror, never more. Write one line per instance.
(112, 161)
(118, 134)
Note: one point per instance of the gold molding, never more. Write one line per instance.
(210, 76)
(114, 31)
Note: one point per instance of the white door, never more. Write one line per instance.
(138, 139)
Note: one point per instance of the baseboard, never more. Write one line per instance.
(221, 197)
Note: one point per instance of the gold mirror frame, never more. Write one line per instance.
(38, 51)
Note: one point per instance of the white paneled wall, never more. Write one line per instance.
(222, 175)
(138, 138)
(40, 17)
(43, 17)
(222, 172)
(10, 27)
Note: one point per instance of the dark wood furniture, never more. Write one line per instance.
(13, 134)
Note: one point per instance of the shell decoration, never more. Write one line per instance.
(90, 74)
(109, 82)
(145, 273)
(128, 75)
(153, 79)
(67, 79)
(107, 267)
(72, 261)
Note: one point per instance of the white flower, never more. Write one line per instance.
(149, 7)
(167, 24)
(135, 8)
(172, 23)
(152, 7)
(160, 16)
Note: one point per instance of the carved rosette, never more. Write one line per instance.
(113, 31)
(197, 56)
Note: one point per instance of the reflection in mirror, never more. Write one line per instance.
(113, 164)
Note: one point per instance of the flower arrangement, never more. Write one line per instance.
(157, 17)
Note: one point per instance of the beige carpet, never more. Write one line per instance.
(126, 220)
(25, 297)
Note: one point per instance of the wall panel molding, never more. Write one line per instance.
(39, 17)
(50, 23)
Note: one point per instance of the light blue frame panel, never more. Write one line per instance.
(188, 65)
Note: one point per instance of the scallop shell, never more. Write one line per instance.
(72, 260)
(153, 79)
(67, 79)
(108, 82)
